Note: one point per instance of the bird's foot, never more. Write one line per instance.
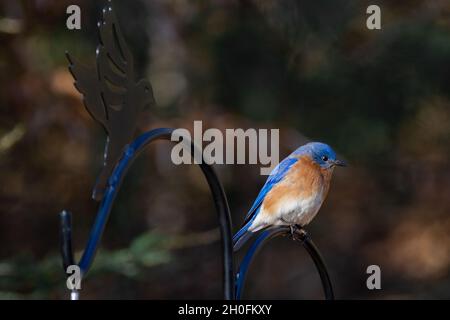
(294, 228)
(298, 233)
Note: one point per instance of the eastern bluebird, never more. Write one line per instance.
(294, 191)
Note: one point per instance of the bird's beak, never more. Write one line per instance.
(340, 163)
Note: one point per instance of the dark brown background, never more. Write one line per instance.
(310, 68)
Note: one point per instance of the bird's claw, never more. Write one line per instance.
(294, 229)
(298, 233)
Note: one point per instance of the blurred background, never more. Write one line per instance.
(310, 68)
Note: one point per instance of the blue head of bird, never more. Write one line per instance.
(320, 153)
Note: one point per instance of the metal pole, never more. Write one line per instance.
(130, 153)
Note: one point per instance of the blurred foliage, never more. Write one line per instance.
(310, 68)
(23, 273)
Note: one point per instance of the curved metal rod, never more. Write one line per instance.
(129, 155)
(298, 235)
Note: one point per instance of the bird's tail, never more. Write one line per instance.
(242, 236)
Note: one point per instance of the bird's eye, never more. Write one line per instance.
(324, 158)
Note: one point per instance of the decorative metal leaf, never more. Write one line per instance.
(111, 94)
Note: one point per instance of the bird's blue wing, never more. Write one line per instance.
(275, 176)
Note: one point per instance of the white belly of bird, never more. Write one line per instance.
(299, 211)
(290, 212)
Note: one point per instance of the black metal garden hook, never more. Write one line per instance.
(296, 234)
(115, 100)
(129, 154)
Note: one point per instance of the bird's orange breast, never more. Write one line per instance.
(304, 180)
